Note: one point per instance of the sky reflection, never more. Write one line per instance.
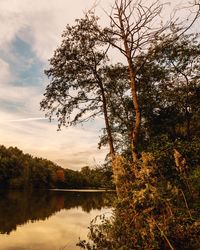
(56, 227)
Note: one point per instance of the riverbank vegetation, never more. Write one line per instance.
(151, 111)
(23, 171)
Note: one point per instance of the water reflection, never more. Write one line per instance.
(18, 208)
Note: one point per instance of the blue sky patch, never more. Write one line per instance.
(25, 66)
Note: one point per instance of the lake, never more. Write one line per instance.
(49, 220)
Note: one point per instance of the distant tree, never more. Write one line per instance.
(60, 175)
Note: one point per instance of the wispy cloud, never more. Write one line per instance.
(28, 119)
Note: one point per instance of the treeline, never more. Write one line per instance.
(23, 171)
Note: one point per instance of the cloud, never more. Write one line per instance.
(28, 119)
(92, 157)
(5, 74)
(39, 22)
(73, 147)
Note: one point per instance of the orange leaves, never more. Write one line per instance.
(60, 175)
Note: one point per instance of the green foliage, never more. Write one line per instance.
(76, 72)
(173, 108)
(98, 177)
(22, 171)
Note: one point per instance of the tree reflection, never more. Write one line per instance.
(18, 208)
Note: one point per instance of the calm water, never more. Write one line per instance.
(48, 220)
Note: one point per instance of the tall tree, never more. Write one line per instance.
(134, 27)
(131, 32)
(76, 92)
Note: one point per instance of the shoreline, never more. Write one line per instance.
(83, 190)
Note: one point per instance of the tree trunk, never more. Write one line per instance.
(109, 133)
(136, 128)
(117, 168)
(108, 128)
(132, 75)
(105, 112)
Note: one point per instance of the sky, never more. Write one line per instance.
(29, 33)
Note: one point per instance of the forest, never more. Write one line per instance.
(23, 171)
(150, 106)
